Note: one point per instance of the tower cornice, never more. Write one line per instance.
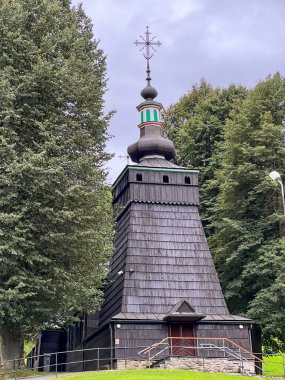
(146, 104)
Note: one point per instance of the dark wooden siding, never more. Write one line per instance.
(164, 192)
(134, 337)
(231, 331)
(53, 341)
(120, 187)
(75, 360)
(176, 178)
(129, 338)
(152, 188)
(102, 344)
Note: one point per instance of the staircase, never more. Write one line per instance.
(209, 356)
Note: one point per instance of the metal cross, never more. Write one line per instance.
(124, 157)
(148, 44)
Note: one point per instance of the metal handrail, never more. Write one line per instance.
(160, 352)
(155, 344)
(150, 348)
(224, 349)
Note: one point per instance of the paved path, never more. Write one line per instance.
(44, 377)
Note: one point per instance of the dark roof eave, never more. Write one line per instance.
(184, 317)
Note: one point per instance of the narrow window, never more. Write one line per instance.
(147, 115)
(155, 117)
(187, 180)
(142, 117)
(165, 179)
(139, 177)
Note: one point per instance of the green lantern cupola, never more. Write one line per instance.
(151, 142)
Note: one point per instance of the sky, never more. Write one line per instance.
(222, 41)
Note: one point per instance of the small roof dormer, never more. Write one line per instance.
(183, 311)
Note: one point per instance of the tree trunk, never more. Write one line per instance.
(11, 347)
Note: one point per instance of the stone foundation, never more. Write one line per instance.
(195, 364)
(132, 364)
(211, 365)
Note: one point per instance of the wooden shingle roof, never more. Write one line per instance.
(161, 253)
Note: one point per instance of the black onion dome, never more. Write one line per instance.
(151, 145)
(149, 93)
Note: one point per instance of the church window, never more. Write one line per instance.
(187, 180)
(165, 179)
(139, 177)
(147, 115)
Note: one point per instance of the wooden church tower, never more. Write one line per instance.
(162, 280)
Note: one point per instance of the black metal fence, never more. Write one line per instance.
(146, 357)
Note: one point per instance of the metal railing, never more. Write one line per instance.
(196, 346)
(200, 342)
(157, 354)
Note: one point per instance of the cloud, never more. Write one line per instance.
(224, 41)
(181, 9)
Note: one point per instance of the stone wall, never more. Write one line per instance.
(211, 365)
(132, 364)
(195, 364)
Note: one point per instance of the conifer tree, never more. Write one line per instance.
(55, 209)
(249, 226)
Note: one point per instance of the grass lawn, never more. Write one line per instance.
(274, 366)
(153, 374)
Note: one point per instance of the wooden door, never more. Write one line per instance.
(180, 346)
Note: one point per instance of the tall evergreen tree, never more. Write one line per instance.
(55, 210)
(248, 242)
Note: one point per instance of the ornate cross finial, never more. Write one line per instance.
(148, 44)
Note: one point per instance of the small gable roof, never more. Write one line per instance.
(183, 311)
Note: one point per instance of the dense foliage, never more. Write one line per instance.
(55, 210)
(234, 136)
(196, 125)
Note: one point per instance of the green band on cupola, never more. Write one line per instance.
(148, 115)
(155, 116)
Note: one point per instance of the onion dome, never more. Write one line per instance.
(149, 92)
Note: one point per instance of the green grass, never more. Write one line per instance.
(153, 374)
(273, 366)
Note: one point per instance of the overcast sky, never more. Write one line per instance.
(223, 41)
